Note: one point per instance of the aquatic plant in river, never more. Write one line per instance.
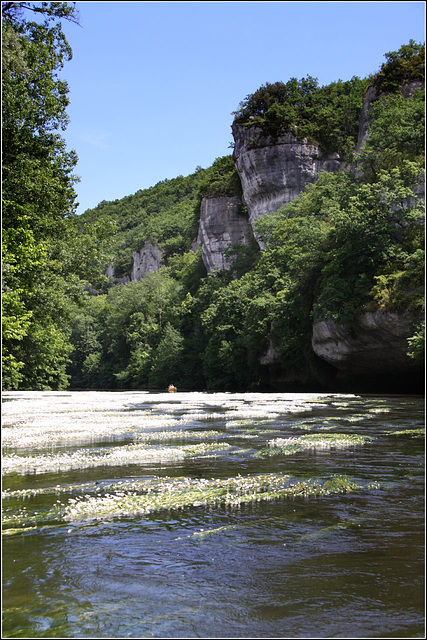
(138, 498)
(142, 498)
(179, 434)
(40, 431)
(413, 433)
(118, 456)
(288, 446)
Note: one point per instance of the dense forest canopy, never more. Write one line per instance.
(351, 242)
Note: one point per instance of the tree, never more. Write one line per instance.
(402, 66)
(396, 133)
(328, 115)
(130, 336)
(166, 365)
(37, 169)
(41, 244)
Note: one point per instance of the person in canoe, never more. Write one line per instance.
(171, 388)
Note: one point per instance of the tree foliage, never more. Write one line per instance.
(402, 66)
(221, 179)
(396, 133)
(326, 115)
(165, 215)
(45, 259)
(123, 336)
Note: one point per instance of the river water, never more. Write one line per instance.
(212, 515)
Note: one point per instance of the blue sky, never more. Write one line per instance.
(153, 84)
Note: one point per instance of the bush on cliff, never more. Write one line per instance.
(326, 115)
(402, 66)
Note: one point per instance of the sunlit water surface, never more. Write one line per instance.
(199, 515)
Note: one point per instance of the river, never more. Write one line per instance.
(212, 515)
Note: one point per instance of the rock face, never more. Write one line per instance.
(222, 224)
(370, 95)
(270, 356)
(378, 345)
(149, 258)
(273, 172)
(117, 279)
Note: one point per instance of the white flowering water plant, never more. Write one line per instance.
(141, 498)
(288, 446)
(52, 433)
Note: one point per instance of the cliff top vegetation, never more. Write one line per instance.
(327, 115)
(402, 66)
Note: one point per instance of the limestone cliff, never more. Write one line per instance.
(274, 171)
(148, 258)
(377, 344)
(117, 279)
(222, 224)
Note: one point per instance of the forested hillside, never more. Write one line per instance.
(351, 243)
(166, 215)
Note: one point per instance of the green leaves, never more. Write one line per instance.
(416, 344)
(129, 337)
(402, 66)
(166, 362)
(166, 215)
(221, 179)
(396, 134)
(46, 259)
(328, 115)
